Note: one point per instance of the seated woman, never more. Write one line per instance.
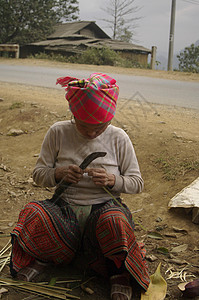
(86, 211)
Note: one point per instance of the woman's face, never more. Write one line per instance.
(90, 131)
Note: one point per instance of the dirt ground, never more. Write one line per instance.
(166, 141)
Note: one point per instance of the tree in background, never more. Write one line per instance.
(121, 20)
(124, 32)
(26, 21)
(189, 59)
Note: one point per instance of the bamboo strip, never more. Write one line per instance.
(41, 292)
(62, 281)
(56, 289)
(35, 297)
(8, 245)
(135, 221)
(59, 288)
(39, 289)
(46, 286)
(108, 192)
(5, 262)
(3, 257)
(4, 250)
(46, 292)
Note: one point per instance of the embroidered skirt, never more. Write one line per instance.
(50, 232)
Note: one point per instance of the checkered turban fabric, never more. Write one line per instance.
(91, 100)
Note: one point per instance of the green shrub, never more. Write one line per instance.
(50, 56)
(103, 56)
(92, 56)
(189, 59)
(96, 56)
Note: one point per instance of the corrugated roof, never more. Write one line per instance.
(64, 30)
(120, 45)
(88, 42)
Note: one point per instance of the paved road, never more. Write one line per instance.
(153, 90)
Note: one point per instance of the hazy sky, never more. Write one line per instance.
(154, 26)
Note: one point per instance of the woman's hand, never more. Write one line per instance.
(100, 177)
(71, 173)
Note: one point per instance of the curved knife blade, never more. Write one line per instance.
(64, 185)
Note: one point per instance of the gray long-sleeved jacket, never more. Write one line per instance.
(64, 145)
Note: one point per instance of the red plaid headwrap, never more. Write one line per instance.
(91, 100)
